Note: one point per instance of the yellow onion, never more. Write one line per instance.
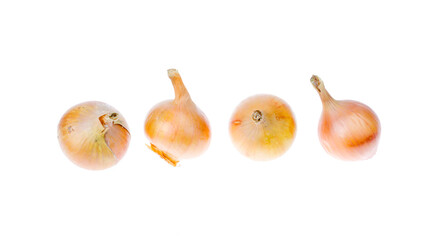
(348, 130)
(262, 127)
(93, 135)
(177, 129)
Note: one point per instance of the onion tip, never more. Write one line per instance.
(173, 73)
(316, 82)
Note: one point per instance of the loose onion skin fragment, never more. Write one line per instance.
(93, 135)
(348, 130)
(177, 129)
(262, 127)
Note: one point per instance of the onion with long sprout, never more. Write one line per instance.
(177, 129)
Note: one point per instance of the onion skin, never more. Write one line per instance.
(93, 135)
(177, 129)
(348, 130)
(262, 127)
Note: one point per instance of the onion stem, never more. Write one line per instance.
(257, 116)
(318, 84)
(180, 91)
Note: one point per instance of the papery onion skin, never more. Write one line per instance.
(177, 129)
(262, 127)
(348, 130)
(93, 135)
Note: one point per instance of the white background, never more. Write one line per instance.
(386, 54)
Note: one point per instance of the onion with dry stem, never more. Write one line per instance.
(348, 129)
(262, 127)
(93, 135)
(177, 129)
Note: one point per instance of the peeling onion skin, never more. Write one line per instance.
(177, 129)
(262, 127)
(348, 130)
(93, 135)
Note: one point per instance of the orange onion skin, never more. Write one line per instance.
(93, 135)
(177, 129)
(262, 127)
(348, 130)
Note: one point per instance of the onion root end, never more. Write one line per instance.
(165, 156)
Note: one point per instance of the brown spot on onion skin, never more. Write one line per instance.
(348, 130)
(236, 122)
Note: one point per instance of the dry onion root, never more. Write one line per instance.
(177, 129)
(93, 135)
(348, 130)
(262, 127)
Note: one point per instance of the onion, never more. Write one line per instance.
(348, 130)
(177, 129)
(262, 127)
(93, 135)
